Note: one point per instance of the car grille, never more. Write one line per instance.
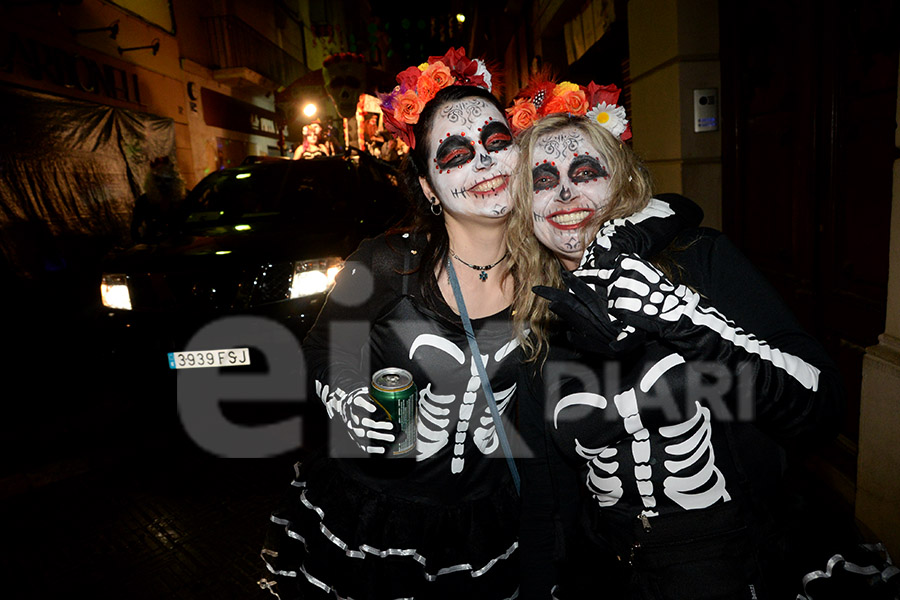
(211, 291)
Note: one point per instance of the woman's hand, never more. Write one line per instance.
(583, 308)
(640, 295)
(368, 424)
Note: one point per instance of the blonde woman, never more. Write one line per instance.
(674, 374)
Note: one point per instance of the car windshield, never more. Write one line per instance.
(321, 192)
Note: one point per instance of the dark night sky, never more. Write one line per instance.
(420, 29)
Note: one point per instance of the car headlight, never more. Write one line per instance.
(314, 276)
(114, 291)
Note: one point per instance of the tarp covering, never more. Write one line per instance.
(70, 172)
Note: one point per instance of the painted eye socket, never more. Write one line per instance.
(587, 170)
(498, 141)
(455, 157)
(544, 179)
(496, 136)
(586, 174)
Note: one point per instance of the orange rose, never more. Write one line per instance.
(408, 107)
(440, 73)
(556, 104)
(576, 102)
(572, 102)
(522, 114)
(426, 88)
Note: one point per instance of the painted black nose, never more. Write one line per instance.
(565, 195)
(485, 161)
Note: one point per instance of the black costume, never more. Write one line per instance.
(442, 525)
(677, 441)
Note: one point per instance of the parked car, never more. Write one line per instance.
(264, 238)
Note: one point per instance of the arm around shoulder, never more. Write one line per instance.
(790, 411)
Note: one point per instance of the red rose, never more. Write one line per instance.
(409, 78)
(450, 59)
(597, 94)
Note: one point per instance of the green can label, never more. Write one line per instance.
(394, 390)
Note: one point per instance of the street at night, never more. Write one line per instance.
(101, 493)
(617, 215)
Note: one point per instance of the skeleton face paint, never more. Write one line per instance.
(571, 183)
(345, 80)
(473, 157)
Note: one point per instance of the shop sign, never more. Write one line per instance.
(36, 61)
(226, 112)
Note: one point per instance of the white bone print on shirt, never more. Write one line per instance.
(682, 490)
(603, 479)
(607, 490)
(626, 405)
(433, 427)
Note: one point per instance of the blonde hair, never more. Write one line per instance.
(630, 191)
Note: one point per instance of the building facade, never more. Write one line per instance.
(105, 91)
(800, 171)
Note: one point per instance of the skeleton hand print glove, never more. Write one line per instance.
(641, 296)
(645, 233)
(368, 424)
(584, 311)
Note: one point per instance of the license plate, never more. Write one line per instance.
(229, 357)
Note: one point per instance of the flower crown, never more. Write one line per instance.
(542, 97)
(417, 85)
(343, 57)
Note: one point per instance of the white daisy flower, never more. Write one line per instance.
(611, 116)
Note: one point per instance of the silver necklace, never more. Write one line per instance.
(484, 269)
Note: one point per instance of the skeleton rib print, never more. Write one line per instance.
(692, 438)
(676, 460)
(435, 418)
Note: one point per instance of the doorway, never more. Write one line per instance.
(809, 100)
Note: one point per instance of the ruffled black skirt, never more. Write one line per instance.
(335, 537)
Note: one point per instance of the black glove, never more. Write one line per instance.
(584, 310)
(645, 233)
(640, 295)
(589, 325)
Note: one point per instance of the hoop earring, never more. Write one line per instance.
(440, 209)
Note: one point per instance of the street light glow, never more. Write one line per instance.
(461, 18)
(309, 110)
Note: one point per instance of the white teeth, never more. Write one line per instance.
(571, 218)
(487, 186)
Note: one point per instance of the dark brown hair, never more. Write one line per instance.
(419, 218)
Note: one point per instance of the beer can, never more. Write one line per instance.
(394, 390)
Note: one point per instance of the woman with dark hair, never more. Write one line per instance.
(375, 516)
(675, 375)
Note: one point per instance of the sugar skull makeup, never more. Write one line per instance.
(473, 155)
(571, 184)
